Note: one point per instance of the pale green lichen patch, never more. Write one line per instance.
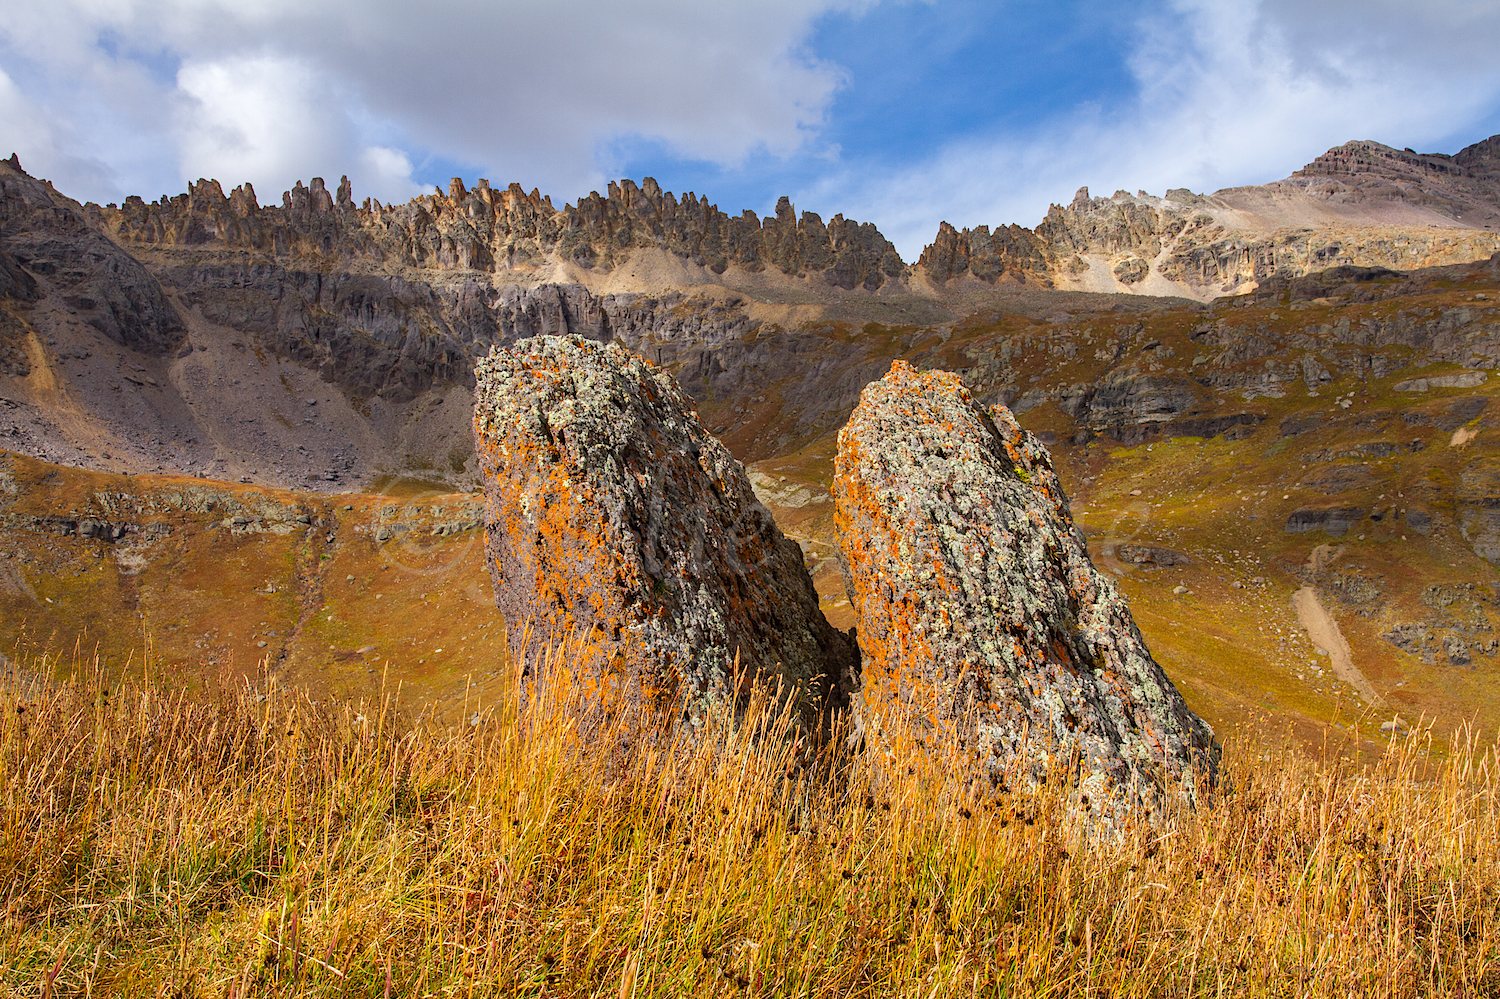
(979, 607)
(613, 511)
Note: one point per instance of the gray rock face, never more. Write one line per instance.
(610, 510)
(1151, 556)
(1447, 417)
(1134, 408)
(395, 337)
(47, 246)
(983, 624)
(1010, 252)
(1463, 186)
(1126, 397)
(1477, 507)
(1334, 520)
(1457, 651)
(1468, 379)
(1458, 627)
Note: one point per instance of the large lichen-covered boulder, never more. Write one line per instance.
(613, 514)
(983, 626)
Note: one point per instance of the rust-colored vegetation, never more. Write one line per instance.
(153, 844)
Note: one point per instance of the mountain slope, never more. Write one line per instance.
(1335, 434)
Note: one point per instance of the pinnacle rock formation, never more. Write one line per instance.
(613, 514)
(507, 231)
(982, 622)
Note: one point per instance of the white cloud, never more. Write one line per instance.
(30, 133)
(274, 90)
(1228, 94)
(388, 170)
(256, 116)
(116, 97)
(89, 124)
(276, 120)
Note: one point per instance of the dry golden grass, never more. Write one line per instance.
(155, 845)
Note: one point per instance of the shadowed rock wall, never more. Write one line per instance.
(46, 235)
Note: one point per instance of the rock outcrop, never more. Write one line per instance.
(1333, 520)
(396, 337)
(1010, 252)
(613, 512)
(982, 623)
(1463, 187)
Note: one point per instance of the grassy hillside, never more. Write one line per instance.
(258, 844)
(1277, 407)
(1228, 422)
(221, 580)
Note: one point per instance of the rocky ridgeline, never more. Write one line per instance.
(492, 230)
(370, 333)
(1009, 252)
(1464, 186)
(1183, 242)
(392, 301)
(1205, 246)
(610, 510)
(331, 285)
(982, 623)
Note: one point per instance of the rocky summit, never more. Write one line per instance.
(982, 622)
(1362, 204)
(615, 516)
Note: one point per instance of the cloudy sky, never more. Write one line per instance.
(901, 112)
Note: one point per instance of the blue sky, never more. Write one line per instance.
(900, 112)
(916, 77)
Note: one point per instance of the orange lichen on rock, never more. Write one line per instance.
(980, 610)
(613, 514)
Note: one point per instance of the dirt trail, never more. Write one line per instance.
(1325, 634)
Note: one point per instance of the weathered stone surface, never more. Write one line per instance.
(983, 624)
(1126, 397)
(1150, 555)
(1333, 520)
(394, 337)
(48, 246)
(1010, 252)
(1449, 417)
(1467, 379)
(1462, 186)
(612, 511)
